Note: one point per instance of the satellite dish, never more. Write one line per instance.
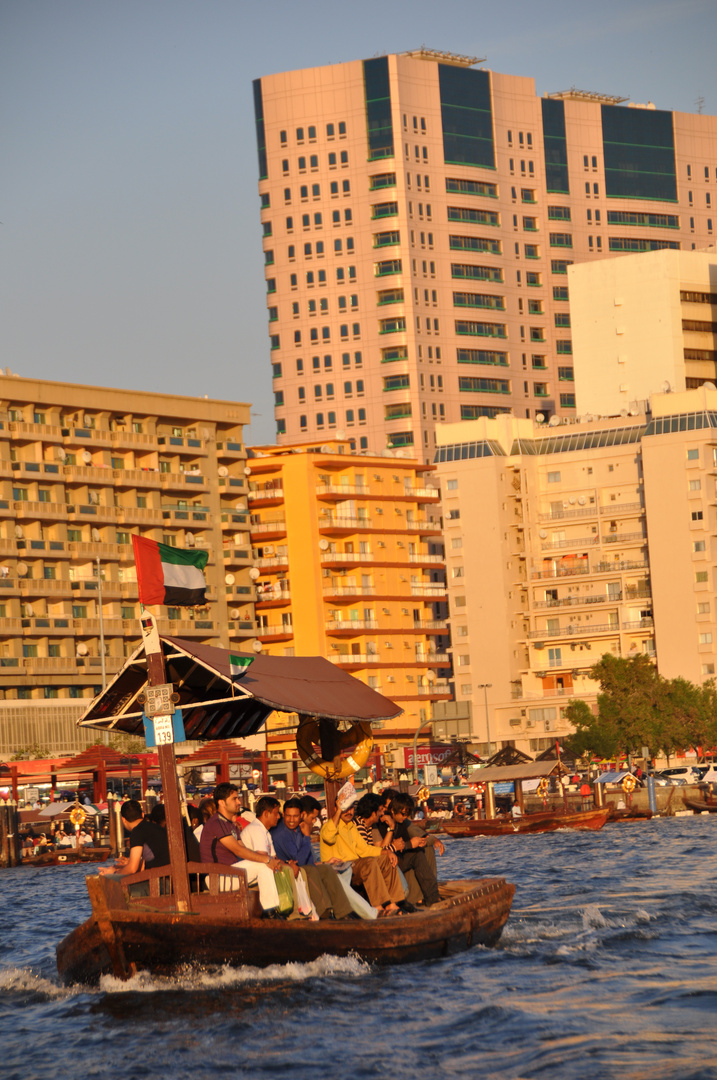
(254, 573)
(709, 386)
(387, 453)
(223, 470)
(277, 586)
(189, 540)
(22, 569)
(247, 471)
(257, 646)
(554, 421)
(18, 532)
(624, 412)
(542, 534)
(340, 434)
(571, 500)
(666, 387)
(86, 457)
(324, 545)
(96, 535)
(93, 497)
(87, 420)
(581, 500)
(235, 613)
(229, 579)
(206, 434)
(540, 418)
(60, 453)
(82, 649)
(325, 449)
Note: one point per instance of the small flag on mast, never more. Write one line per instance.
(238, 665)
(168, 575)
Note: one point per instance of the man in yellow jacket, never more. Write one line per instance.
(372, 867)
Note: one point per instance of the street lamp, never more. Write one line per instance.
(485, 687)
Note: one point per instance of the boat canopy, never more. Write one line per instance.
(215, 706)
(527, 770)
(614, 776)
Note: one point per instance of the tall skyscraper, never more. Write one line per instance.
(419, 216)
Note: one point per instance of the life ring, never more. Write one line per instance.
(62, 858)
(459, 809)
(629, 783)
(543, 788)
(77, 815)
(358, 736)
(423, 793)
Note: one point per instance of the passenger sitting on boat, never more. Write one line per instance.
(515, 810)
(65, 839)
(221, 843)
(294, 847)
(368, 810)
(158, 815)
(413, 855)
(207, 808)
(148, 846)
(371, 867)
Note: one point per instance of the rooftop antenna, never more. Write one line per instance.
(700, 103)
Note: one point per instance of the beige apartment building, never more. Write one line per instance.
(81, 469)
(420, 215)
(567, 542)
(349, 566)
(642, 325)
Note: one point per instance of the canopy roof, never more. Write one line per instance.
(214, 707)
(501, 774)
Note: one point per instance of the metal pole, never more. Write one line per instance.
(102, 623)
(424, 723)
(485, 687)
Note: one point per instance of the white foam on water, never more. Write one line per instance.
(593, 918)
(25, 981)
(227, 976)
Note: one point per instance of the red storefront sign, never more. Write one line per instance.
(435, 754)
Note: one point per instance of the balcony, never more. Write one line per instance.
(566, 515)
(268, 529)
(576, 543)
(346, 558)
(582, 631)
(50, 665)
(25, 509)
(354, 659)
(435, 689)
(349, 590)
(424, 560)
(141, 478)
(183, 480)
(93, 551)
(179, 515)
(92, 512)
(275, 633)
(640, 624)
(611, 568)
(266, 496)
(43, 586)
(624, 538)
(560, 571)
(272, 597)
(344, 524)
(432, 591)
(277, 562)
(46, 432)
(350, 626)
(620, 509)
(139, 515)
(577, 601)
(424, 526)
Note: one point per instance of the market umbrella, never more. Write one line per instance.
(55, 808)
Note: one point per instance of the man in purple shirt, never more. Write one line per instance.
(221, 843)
(294, 847)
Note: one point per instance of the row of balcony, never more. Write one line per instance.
(597, 568)
(582, 601)
(576, 543)
(613, 509)
(586, 631)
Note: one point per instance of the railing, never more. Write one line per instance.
(346, 556)
(434, 688)
(355, 658)
(270, 594)
(24, 508)
(624, 538)
(268, 526)
(266, 493)
(558, 572)
(275, 631)
(640, 624)
(278, 560)
(608, 567)
(617, 509)
(560, 515)
(345, 523)
(350, 590)
(428, 590)
(578, 542)
(352, 624)
(577, 601)
(575, 631)
(426, 559)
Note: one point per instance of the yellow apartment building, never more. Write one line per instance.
(420, 214)
(643, 324)
(349, 565)
(566, 542)
(81, 469)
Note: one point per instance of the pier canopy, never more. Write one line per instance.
(216, 706)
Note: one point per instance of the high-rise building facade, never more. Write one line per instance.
(348, 565)
(419, 217)
(81, 469)
(568, 542)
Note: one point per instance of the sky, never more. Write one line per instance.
(130, 243)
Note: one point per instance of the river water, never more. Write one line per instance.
(606, 968)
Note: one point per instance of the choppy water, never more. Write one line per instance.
(607, 968)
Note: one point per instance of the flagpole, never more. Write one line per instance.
(157, 676)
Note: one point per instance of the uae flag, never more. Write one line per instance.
(168, 575)
(238, 665)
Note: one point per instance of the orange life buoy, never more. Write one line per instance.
(77, 815)
(629, 783)
(358, 736)
(543, 788)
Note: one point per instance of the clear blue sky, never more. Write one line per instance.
(130, 239)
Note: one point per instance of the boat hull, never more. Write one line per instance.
(472, 913)
(68, 857)
(529, 823)
(699, 805)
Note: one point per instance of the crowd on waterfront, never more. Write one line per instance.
(368, 859)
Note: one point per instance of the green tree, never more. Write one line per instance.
(30, 753)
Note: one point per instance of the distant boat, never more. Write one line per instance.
(68, 856)
(539, 822)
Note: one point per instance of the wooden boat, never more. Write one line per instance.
(700, 805)
(174, 923)
(124, 935)
(68, 856)
(539, 822)
(628, 813)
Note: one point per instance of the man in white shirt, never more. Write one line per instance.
(257, 837)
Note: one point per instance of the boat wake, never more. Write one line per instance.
(23, 983)
(194, 978)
